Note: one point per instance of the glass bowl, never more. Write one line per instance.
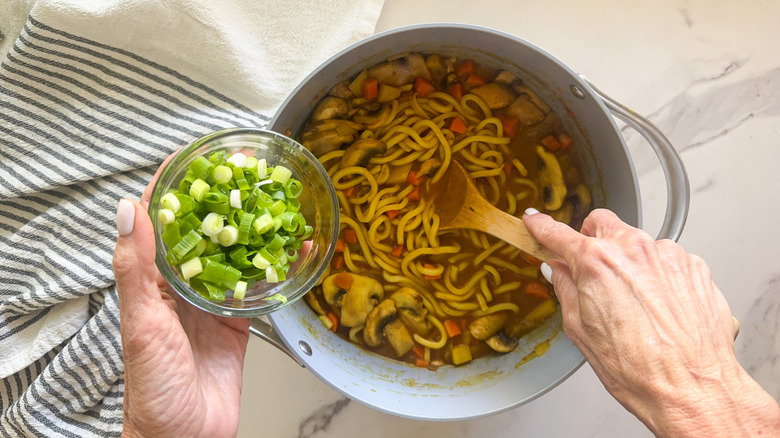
(319, 206)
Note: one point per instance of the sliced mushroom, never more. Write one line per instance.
(563, 214)
(361, 298)
(525, 110)
(373, 119)
(376, 322)
(330, 107)
(542, 105)
(398, 336)
(429, 166)
(488, 325)
(508, 79)
(356, 303)
(329, 135)
(411, 310)
(582, 200)
(551, 179)
(502, 342)
(436, 68)
(360, 152)
(342, 90)
(400, 71)
(495, 95)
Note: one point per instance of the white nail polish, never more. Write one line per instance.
(546, 272)
(531, 211)
(125, 217)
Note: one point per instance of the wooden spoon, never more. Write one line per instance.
(460, 205)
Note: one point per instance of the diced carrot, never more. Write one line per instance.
(422, 363)
(565, 141)
(335, 320)
(350, 191)
(413, 179)
(343, 280)
(475, 80)
(339, 245)
(452, 328)
(510, 125)
(350, 236)
(551, 143)
(419, 351)
(392, 214)
(508, 168)
(457, 125)
(537, 290)
(531, 259)
(414, 195)
(370, 88)
(338, 262)
(422, 86)
(465, 67)
(430, 277)
(397, 251)
(287, 132)
(456, 91)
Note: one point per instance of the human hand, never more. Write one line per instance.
(654, 327)
(183, 366)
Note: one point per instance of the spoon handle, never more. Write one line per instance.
(512, 230)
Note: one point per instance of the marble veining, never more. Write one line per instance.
(320, 420)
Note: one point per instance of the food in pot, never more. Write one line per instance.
(397, 285)
(232, 221)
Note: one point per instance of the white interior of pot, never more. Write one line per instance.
(488, 385)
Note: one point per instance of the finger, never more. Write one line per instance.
(147, 194)
(566, 291)
(555, 236)
(602, 223)
(134, 268)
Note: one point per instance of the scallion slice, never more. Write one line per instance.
(191, 268)
(235, 198)
(228, 236)
(222, 174)
(170, 202)
(212, 224)
(238, 159)
(281, 174)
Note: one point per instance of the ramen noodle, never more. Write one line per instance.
(398, 285)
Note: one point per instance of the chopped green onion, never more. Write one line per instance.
(276, 243)
(198, 189)
(201, 167)
(228, 236)
(222, 174)
(262, 169)
(238, 159)
(235, 199)
(191, 268)
(166, 216)
(277, 208)
(260, 262)
(187, 243)
(170, 202)
(239, 291)
(264, 223)
(243, 228)
(281, 174)
(212, 224)
(268, 255)
(171, 236)
(217, 202)
(293, 188)
(186, 204)
(278, 297)
(271, 275)
(251, 164)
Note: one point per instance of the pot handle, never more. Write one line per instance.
(266, 332)
(677, 185)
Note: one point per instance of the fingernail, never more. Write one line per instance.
(546, 272)
(531, 211)
(125, 217)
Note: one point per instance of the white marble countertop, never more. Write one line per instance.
(707, 73)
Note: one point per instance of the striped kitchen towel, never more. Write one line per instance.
(93, 96)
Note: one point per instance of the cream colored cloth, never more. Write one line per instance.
(94, 94)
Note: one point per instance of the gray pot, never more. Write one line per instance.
(489, 385)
